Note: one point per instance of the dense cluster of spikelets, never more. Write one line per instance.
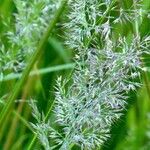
(106, 70)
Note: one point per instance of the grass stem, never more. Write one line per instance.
(32, 61)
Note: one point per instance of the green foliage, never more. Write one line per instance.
(100, 100)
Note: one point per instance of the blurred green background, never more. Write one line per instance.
(131, 132)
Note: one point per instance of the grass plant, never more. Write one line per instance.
(74, 74)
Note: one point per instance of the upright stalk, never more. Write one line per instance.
(32, 61)
(137, 34)
(58, 13)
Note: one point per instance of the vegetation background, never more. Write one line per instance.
(131, 132)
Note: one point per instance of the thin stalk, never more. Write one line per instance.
(14, 123)
(26, 115)
(35, 135)
(42, 71)
(137, 34)
(32, 61)
(60, 10)
(23, 121)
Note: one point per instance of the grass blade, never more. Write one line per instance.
(32, 61)
(13, 76)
